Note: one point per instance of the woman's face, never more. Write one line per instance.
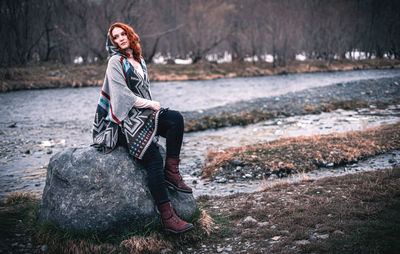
(120, 37)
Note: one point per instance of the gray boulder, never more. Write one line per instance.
(88, 190)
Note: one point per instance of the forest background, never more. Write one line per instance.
(63, 31)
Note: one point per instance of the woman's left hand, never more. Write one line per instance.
(155, 105)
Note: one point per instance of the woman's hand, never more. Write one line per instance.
(155, 105)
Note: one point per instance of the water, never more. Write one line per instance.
(78, 105)
(48, 121)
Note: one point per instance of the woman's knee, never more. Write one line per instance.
(178, 118)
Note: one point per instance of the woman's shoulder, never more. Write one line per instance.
(114, 62)
(114, 59)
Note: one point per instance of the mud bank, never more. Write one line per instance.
(43, 76)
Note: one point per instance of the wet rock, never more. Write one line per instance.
(302, 242)
(338, 232)
(13, 125)
(263, 224)
(325, 236)
(49, 151)
(196, 173)
(248, 176)
(276, 238)
(249, 219)
(88, 190)
(281, 174)
(320, 236)
(165, 251)
(391, 161)
(27, 151)
(228, 248)
(221, 180)
(237, 162)
(44, 248)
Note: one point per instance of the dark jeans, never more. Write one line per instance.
(170, 126)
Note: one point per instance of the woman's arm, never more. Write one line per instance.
(144, 103)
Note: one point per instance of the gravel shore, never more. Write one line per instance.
(350, 95)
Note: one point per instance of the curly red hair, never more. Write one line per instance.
(132, 37)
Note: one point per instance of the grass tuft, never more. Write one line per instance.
(19, 197)
(303, 154)
(151, 244)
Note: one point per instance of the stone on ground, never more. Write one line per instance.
(88, 190)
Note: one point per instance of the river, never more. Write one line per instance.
(36, 124)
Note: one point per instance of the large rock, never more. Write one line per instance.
(88, 190)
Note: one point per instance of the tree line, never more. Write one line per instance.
(61, 30)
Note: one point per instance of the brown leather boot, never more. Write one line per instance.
(171, 221)
(172, 176)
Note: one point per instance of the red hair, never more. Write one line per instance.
(133, 39)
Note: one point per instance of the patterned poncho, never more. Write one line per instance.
(122, 85)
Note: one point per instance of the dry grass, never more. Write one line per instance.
(305, 153)
(206, 222)
(230, 119)
(356, 213)
(19, 197)
(136, 245)
(55, 75)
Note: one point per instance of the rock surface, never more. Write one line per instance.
(88, 190)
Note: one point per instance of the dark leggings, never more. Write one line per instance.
(170, 126)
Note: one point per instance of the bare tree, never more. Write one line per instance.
(207, 27)
(61, 30)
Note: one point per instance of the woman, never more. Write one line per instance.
(126, 115)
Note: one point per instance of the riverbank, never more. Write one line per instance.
(347, 214)
(42, 76)
(374, 93)
(300, 154)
